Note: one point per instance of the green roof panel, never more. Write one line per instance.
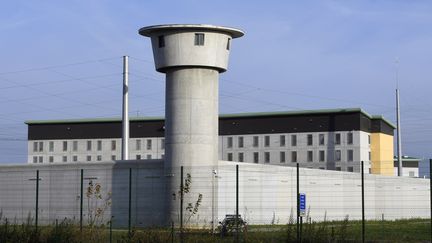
(235, 115)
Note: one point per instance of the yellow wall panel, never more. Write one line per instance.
(382, 154)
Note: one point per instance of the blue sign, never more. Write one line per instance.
(302, 204)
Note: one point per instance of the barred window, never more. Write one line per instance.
(267, 141)
(293, 140)
(310, 156)
(337, 155)
(293, 156)
(99, 145)
(64, 145)
(350, 155)
(89, 145)
(255, 141)
(256, 157)
(321, 155)
(350, 138)
(240, 142)
(337, 138)
(75, 146)
(229, 142)
(321, 139)
(267, 157)
(161, 41)
(199, 39)
(309, 140)
(282, 157)
(240, 157)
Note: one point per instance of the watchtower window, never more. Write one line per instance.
(161, 40)
(228, 44)
(199, 39)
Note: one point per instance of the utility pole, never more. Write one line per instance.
(125, 117)
(399, 143)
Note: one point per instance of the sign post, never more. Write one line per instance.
(302, 212)
(302, 204)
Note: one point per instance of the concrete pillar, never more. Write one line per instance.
(191, 125)
(192, 56)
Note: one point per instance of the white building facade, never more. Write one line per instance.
(341, 151)
(322, 139)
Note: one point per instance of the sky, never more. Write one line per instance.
(63, 59)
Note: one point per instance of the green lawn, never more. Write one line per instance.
(413, 230)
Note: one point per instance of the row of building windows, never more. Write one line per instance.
(149, 145)
(282, 140)
(294, 157)
(40, 159)
(282, 159)
(39, 146)
(199, 39)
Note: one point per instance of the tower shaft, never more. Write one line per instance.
(191, 134)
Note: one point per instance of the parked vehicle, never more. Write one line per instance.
(228, 224)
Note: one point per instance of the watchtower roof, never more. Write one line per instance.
(148, 30)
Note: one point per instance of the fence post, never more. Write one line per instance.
(130, 201)
(430, 193)
(172, 231)
(37, 199)
(363, 208)
(81, 200)
(301, 229)
(110, 229)
(237, 203)
(181, 203)
(298, 203)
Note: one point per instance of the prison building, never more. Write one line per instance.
(331, 139)
(410, 166)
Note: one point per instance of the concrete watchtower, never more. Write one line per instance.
(192, 56)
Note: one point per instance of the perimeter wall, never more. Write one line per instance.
(267, 194)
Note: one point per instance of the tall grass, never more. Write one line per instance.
(65, 231)
(414, 230)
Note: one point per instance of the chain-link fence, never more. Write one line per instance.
(235, 201)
